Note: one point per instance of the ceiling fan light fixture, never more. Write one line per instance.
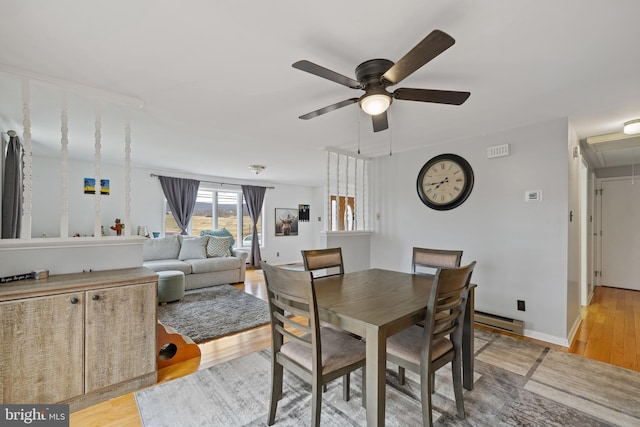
(632, 127)
(256, 168)
(375, 103)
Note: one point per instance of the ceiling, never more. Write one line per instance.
(220, 94)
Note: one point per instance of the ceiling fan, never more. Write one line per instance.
(375, 75)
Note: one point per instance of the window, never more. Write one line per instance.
(216, 209)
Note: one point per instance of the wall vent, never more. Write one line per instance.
(499, 322)
(498, 151)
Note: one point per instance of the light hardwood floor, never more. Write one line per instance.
(610, 332)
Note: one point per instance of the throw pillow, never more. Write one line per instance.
(221, 232)
(193, 248)
(218, 246)
(163, 248)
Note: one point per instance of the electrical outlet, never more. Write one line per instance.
(521, 305)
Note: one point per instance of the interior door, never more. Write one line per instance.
(621, 233)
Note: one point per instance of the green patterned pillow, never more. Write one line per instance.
(221, 232)
(218, 246)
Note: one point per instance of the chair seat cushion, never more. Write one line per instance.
(407, 345)
(338, 350)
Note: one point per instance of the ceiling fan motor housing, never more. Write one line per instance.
(370, 72)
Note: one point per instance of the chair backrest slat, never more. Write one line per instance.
(323, 259)
(434, 259)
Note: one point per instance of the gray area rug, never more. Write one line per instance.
(516, 384)
(213, 312)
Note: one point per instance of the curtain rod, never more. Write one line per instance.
(153, 175)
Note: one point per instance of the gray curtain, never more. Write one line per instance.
(254, 196)
(12, 190)
(181, 196)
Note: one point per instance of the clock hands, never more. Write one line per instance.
(438, 184)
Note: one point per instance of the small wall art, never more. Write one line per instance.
(89, 186)
(286, 222)
(104, 187)
(303, 213)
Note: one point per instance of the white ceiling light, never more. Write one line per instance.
(632, 127)
(375, 102)
(256, 168)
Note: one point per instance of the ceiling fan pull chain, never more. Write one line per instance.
(390, 133)
(358, 115)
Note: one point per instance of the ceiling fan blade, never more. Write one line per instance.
(380, 122)
(319, 71)
(431, 95)
(329, 108)
(430, 47)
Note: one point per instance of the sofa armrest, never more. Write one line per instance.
(243, 255)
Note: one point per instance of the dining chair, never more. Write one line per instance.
(323, 259)
(316, 354)
(424, 350)
(434, 259)
(427, 261)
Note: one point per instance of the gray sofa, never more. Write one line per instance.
(202, 266)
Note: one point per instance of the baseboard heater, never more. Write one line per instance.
(499, 322)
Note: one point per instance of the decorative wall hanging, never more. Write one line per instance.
(303, 213)
(104, 187)
(89, 186)
(286, 222)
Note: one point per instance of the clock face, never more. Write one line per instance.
(445, 182)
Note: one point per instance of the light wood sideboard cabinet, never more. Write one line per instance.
(78, 338)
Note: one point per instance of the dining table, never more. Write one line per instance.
(376, 304)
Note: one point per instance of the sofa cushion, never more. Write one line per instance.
(210, 265)
(221, 232)
(163, 248)
(168, 264)
(193, 248)
(218, 246)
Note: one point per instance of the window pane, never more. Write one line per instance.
(247, 228)
(228, 212)
(170, 225)
(202, 218)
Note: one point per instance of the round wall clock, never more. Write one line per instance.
(445, 182)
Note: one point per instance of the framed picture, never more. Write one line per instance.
(303, 213)
(89, 186)
(104, 187)
(286, 222)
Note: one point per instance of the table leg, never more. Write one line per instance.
(468, 342)
(376, 376)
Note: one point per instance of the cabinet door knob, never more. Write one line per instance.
(96, 297)
(74, 300)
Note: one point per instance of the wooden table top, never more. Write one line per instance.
(373, 297)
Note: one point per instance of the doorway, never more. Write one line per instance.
(620, 241)
(585, 279)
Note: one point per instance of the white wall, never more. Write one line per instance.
(62, 256)
(521, 248)
(355, 248)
